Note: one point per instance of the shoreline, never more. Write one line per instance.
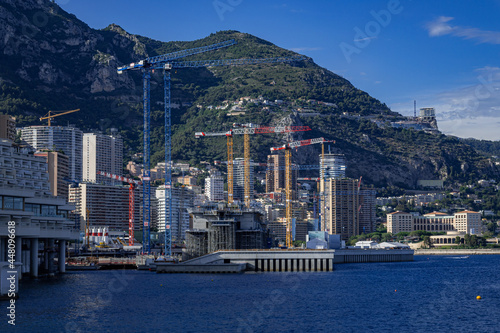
(446, 252)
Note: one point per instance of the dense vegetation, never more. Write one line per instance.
(65, 65)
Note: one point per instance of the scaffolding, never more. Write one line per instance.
(221, 235)
(196, 244)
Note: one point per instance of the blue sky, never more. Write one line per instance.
(443, 54)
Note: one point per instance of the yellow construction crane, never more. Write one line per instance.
(288, 179)
(246, 130)
(53, 114)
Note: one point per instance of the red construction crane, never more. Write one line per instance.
(288, 179)
(131, 206)
(246, 130)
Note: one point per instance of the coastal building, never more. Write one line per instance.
(216, 227)
(58, 168)
(399, 222)
(340, 206)
(102, 153)
(67, 139)
(39, 220)
(182, 201)
(468, 221)
(462, 222)
(7, 127)
(105, 205)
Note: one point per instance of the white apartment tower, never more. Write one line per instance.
(239, 180)
(102, 153)
(214, 187)
(68, 139)
(182, 199)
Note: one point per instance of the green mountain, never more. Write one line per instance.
(50, 60)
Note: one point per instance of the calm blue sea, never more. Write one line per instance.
(431, 294)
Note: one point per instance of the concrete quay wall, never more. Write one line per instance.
(456, 252)
(299, 260)
(371, 255)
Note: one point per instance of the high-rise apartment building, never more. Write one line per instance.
(182, 199)
(339, 209)
(275, 175)
(7, 127)
(58, 167)
(67, 139)
(333, 166)
(367, 211)
(105, 205)
(239, 180)
(214, 187)
(102, 153)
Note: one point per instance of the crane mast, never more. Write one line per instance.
(288, 180)
(246, 130)
(166, 63)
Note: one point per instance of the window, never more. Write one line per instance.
(13, 203)
(48, 210)
(35, 208)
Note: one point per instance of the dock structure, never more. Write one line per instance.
(285, 260)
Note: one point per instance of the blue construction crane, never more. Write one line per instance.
(166, 63)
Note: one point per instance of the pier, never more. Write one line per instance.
(285, 260)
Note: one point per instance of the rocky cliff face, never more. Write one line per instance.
(47, 48)
(51, 60)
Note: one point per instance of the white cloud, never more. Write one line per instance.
(469, 111)
(441, 27)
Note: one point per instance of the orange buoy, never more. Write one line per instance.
(478, 297)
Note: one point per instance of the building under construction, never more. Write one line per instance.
(224, 227)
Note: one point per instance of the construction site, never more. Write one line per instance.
(234, 219)
(224, 227)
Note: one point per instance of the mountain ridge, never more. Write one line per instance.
(52, 60)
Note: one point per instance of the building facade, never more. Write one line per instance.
(102, 153)
(468, 222)
(332, 166)
(7, 127)
(463, 222)
(58, 167)
(105, 205)
(275, 175)
(339, 209)
(40, 220)
(239, 180)
(367, 211)
(182, 200)
(214, 187)
(68, 139)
